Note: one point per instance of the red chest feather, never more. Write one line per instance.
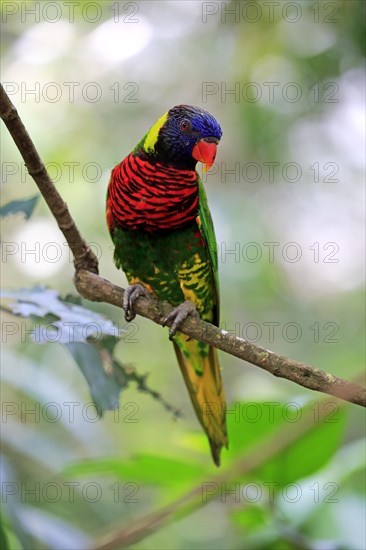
(150, 196)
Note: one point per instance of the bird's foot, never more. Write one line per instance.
(178, 315)
(132, 293)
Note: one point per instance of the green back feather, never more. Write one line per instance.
(208, 233)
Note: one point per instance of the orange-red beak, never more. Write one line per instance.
(205, 151)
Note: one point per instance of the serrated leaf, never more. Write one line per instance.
(25, 206)
(104, 387)
(71, 322)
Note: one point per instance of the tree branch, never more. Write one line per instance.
(95, 288)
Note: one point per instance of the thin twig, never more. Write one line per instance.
(95, 288)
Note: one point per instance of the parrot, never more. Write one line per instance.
(164, 241)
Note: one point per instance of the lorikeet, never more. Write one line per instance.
(164, 239)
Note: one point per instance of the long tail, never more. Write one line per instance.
(201, 372)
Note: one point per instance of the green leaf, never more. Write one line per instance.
(13, 528)
(250, 517)
(149, 469)
(26, 206)
(322, 488)
(104, 386)
(70, 322)
(3, 538)
(308, 454)
(252, 422)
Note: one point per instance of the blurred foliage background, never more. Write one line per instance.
(286, 82)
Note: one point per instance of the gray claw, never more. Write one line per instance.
(178, 315)
(132, 293)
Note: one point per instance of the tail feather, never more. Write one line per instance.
(201, 372)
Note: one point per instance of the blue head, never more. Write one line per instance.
(183, 136)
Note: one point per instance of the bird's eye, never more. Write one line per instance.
(185, 125)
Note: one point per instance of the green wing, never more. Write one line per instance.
(208, 233)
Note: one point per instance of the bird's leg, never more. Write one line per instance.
(178, 315)
(132, 293)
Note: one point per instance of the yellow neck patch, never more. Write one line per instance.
(152, 135)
